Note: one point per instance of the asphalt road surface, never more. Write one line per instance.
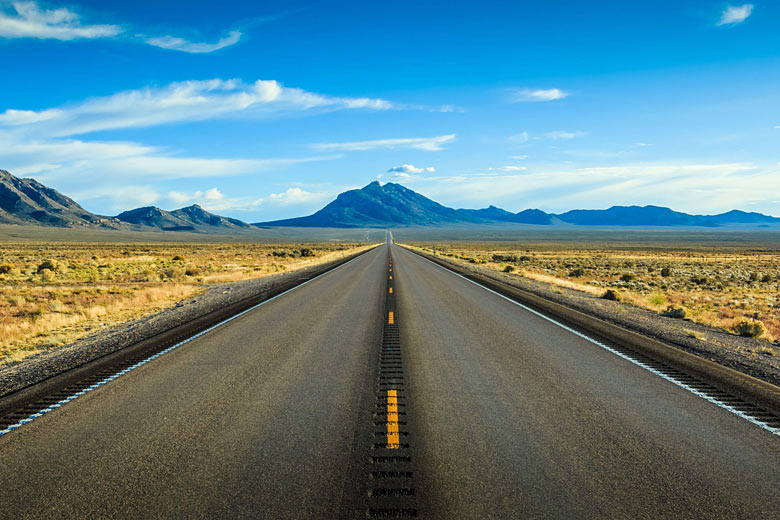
(509, 416)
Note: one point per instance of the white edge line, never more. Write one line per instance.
(717, 402)
(110, 378)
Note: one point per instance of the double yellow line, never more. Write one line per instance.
(393, 437)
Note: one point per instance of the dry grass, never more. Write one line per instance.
(52, 294)
(719, 288)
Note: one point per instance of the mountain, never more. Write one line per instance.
(380, 206)
(27, 201)
(527, 216)
(489, 213)
(191, 218)
(659, 216)
(394, 205)
(200, 217)
(632, 216)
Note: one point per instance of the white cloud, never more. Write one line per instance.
(430, 144)
(211, 195)
(561, 134)
(410, 168)
(691, 187)
(180, 44)
(512, 168)
(520, 157)
(292, 196)
(527, 95)
(180, 102)
(84, 158)
(733, 15)
(522, 137)
(29, 21)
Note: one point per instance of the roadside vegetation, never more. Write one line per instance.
(736, 289)
(51, 294)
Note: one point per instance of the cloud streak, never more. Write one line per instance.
(733, 15)
(527, 95)
(27, 20)
(180, 102)
(694, 187)
(180, 44)
(429, 144)
(410, 168)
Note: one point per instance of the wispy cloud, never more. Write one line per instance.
(511, 168)
(180, 44)
(527, 95)
(733, 15)
(693, 187)
(179, 102)
(430, 144)
(86, 161)
(562, 134)
(410, 168)
(27, 20)
(555, 135)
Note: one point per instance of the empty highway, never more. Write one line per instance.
(281, 413)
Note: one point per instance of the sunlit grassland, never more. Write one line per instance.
(54, 293)
(730, 287)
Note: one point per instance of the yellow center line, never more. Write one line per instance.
(390, 290)
(393, 439)
(390, 318)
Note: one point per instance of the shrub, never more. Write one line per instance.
(177, 258)
(666, 272)
(576, 273)
(612, 295)
(191, 271)
(51, 265)
(765, 279)
(675, 311)
(627, 277)
(505, 258)
(658, 299)
(6, 268)
(749, 328)
(305, 251)
(699, 280)
(280, 254)
(753, 277)
(508, 268)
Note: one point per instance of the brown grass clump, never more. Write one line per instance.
(675, 311)
(749, 328)
(612, 295)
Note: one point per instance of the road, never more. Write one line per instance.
(509, 416)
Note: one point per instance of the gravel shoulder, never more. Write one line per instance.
(723, 347)
(38, 367)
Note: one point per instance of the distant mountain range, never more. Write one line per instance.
(26, 201)
(393, 205)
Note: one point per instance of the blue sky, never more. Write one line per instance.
(265, 110)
